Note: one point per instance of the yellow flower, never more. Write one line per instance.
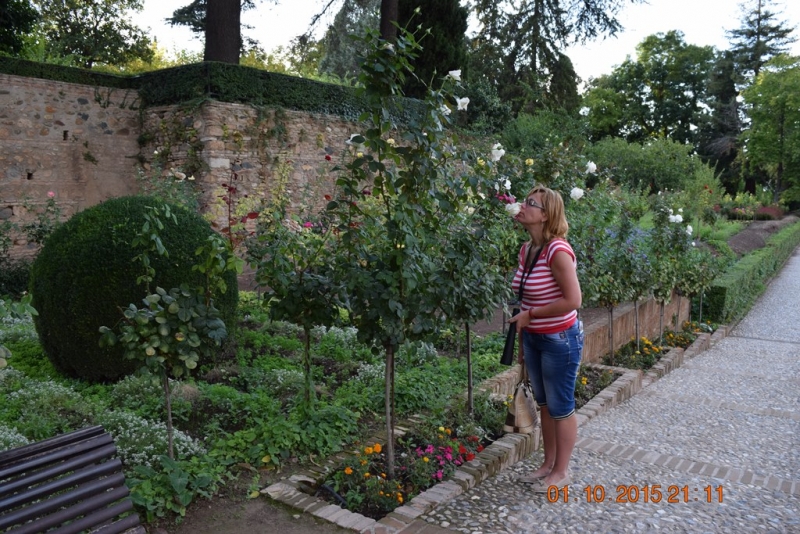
(366, 475)
(481, 163)
(348, 470)
(390, 142)
(425, 459)
(441, 429)
(400, 499)
(363, 462)
(380, 493)
(359, 154)
(441, 436)
(584, 380)
(383, 475)
(368, 451)
(529, 162)
(377, 448)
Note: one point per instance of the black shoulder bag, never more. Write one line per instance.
(511, 338)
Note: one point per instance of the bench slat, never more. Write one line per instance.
(48, 506)
(128, 524)
(95, 519)
(43, 490)
(67, 484)
(32, 449)
(51, 456)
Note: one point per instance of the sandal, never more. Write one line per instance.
(540, 486)
(530, 479)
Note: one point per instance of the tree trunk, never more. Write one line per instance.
(168, 402)
(611, 334)
(661, 325)
(470, 403)
(700, 320)
(309, 384)
(389, 403)
(389, 13)
(636, 323)
(223, 31)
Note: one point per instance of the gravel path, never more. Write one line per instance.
(727, 423)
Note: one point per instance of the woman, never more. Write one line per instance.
(551, 335)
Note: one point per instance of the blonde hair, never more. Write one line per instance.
(556, 224)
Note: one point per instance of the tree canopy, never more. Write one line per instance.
(17, 17)
(94, 31)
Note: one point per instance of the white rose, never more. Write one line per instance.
(513, 209)
(591, 167)
(680, 210)
(462, 103)
(444, 110)
(693, 244)
(470, 210)
(497, 152)
(455, 74)
(576, 193)
(507, 185)
(689, 229)
(678, 218)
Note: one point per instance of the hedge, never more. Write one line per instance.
(223, 82)
(734, 292)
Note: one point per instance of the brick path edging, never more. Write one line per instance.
(499, 455)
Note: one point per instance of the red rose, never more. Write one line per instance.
(327, 157)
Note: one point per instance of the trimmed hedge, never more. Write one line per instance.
(85, 275)
(220, 81)
(735, 291)
(47, 71)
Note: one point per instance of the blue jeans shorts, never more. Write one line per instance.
(552, 361)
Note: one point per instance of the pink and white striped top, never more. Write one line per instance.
(541, 288)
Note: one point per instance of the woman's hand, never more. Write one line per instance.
(522, 319)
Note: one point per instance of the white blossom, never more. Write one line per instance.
(576, 193)
(689, 229)
(470, 210)
(462, 103)
(693, 244)
(455, 74)
(513, 209)
(444, 110)
(507, 185)
(591, 167)
(497, 152)
(680, 210)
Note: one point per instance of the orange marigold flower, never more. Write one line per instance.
(348, 470)
(377, 448)
(366, 475)
(368, 451)
(448, 431)
(400, 499)
(363, 462)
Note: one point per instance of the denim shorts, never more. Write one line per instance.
(552, 361)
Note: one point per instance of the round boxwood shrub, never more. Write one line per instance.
(86, 274)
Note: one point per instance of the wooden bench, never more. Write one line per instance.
(69, 483)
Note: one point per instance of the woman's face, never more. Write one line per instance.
(532, 211)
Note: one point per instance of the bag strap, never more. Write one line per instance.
(527, 269)
(523, 373)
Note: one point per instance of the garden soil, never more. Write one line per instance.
(234, 513)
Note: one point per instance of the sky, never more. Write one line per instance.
(703, 23)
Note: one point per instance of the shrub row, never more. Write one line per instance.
(733, 292)
(219, 81)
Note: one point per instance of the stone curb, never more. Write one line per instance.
(504, 452)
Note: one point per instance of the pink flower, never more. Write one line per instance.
(439, 474)
(50, 194)
(308, 224)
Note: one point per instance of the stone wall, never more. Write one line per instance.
(77, 141)
(88, 144)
